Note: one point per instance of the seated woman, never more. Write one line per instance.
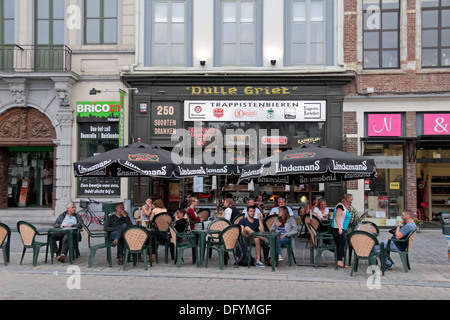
(158, 207)
(286, 226)
(321, 211)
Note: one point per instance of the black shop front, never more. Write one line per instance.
(250, 116)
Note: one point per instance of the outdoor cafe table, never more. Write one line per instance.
(70, 233)
(202, 234)
(272, 237)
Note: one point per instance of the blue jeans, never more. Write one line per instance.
(282, 242)
(389, 261)
(116, 235)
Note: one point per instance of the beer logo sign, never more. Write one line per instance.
(300, 155)
(218, 113)
(143, 157)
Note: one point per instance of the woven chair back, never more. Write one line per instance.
(3, 234)
(27, 234)
(367, 227)
(174, 235)
(135, 238)
(162, 221)
(203, 214)
(218, 225)
(362, 244)
(230, 236)
(411, 238)
(313, 233)
(238, 218)
(270, 220)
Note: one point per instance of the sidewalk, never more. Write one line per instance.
(429, 261)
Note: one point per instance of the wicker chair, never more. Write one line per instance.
(93, 248)
(5, 239)
(162, 222)
(136, 239)
(269, 220)
(317, 240)
(28, 233)
(362, 244)
(404, 255)
(218, 225)
(180, 245)
(368, 226)
(204, 214)
(227, 241)
(238, 218)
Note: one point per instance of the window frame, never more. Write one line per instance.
(380, 49)
(2, 22)
(440, 8)
(257, 34)
(102, 19)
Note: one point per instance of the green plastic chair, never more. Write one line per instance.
(362, 243)
(5, 239)
(227, 241)
(180, 245)
(93, 248)
(404, 255)
(137, 239)
(28, 233)
(319, 245)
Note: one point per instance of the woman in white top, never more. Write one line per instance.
(321, 211)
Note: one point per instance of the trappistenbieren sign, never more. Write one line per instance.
(255, 110)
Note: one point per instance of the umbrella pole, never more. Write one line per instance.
(139, 194)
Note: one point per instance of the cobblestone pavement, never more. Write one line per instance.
(428, 279)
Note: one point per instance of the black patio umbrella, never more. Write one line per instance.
(313, 164)
(134, 160)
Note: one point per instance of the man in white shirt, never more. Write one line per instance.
(281, 203)
(67, 219)
(258, 214)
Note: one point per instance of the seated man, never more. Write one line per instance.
(281, 203)
(258, 213)
(250, 225)
(402, 231)
(67, 219)
(115, 225)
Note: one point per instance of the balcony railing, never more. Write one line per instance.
(28, 58)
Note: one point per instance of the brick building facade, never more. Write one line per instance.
(410, 88)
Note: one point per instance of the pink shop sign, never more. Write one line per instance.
(385, 125)
(436, 123)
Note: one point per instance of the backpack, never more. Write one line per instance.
(241, 255)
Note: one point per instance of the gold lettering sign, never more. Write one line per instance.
(249, 90)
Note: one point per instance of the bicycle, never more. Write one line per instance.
(88, 215)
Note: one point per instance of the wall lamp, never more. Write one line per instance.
(273, 62)
(94, 91)
(202, 63)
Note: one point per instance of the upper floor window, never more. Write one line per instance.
(309, 32)
(381, 36)
(100, 21)
(435, 33)
(168, 36)
(50, 22)
(238, 34)
(6, 22)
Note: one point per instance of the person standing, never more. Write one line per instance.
(339, 224)
(47, 179)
